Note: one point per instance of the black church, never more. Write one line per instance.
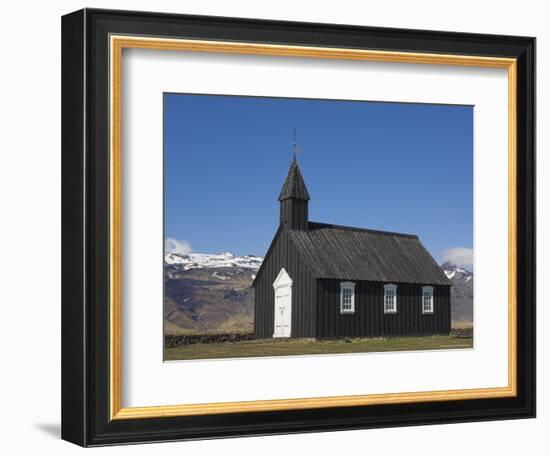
(320, 280)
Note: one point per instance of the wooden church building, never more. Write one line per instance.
(328, 281)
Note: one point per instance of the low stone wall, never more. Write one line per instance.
(217, 338)
(171, 340)
(462, 332)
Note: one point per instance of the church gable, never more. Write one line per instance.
(284, 256)
(282, 251)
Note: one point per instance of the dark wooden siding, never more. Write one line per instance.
(283, 255)
(369, 319)
(294, 214)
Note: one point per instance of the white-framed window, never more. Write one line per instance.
(347, 297)
(390, 298)
(427, 300)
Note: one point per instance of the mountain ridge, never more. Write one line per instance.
(214, 260)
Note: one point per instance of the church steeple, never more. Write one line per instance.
(294, 199)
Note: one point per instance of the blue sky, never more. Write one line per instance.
(389, 166)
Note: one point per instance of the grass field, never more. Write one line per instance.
(282, 347)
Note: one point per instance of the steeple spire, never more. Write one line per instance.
(294, 186)
(294, 199)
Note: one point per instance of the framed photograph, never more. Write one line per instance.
(279, 227)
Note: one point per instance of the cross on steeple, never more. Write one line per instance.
(295, 148)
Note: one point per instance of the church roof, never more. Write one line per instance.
(294, 186)
(348, 253)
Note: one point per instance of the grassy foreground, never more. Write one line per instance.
(282, 347)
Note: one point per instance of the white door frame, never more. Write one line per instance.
(282, 288)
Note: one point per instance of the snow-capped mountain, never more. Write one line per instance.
(462, 293)
(455, 273)
(209, 292)
(218, 260)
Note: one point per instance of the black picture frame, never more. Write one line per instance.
(85, 222)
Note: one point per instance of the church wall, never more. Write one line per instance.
(369, 319)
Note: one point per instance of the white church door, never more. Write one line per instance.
(283, 304)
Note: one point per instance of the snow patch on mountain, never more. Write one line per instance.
(218, 260)
(219, 276)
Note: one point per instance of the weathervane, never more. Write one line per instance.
(295, 148)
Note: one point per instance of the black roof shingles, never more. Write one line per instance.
(348, 253)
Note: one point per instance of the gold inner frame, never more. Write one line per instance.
(117, 44)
